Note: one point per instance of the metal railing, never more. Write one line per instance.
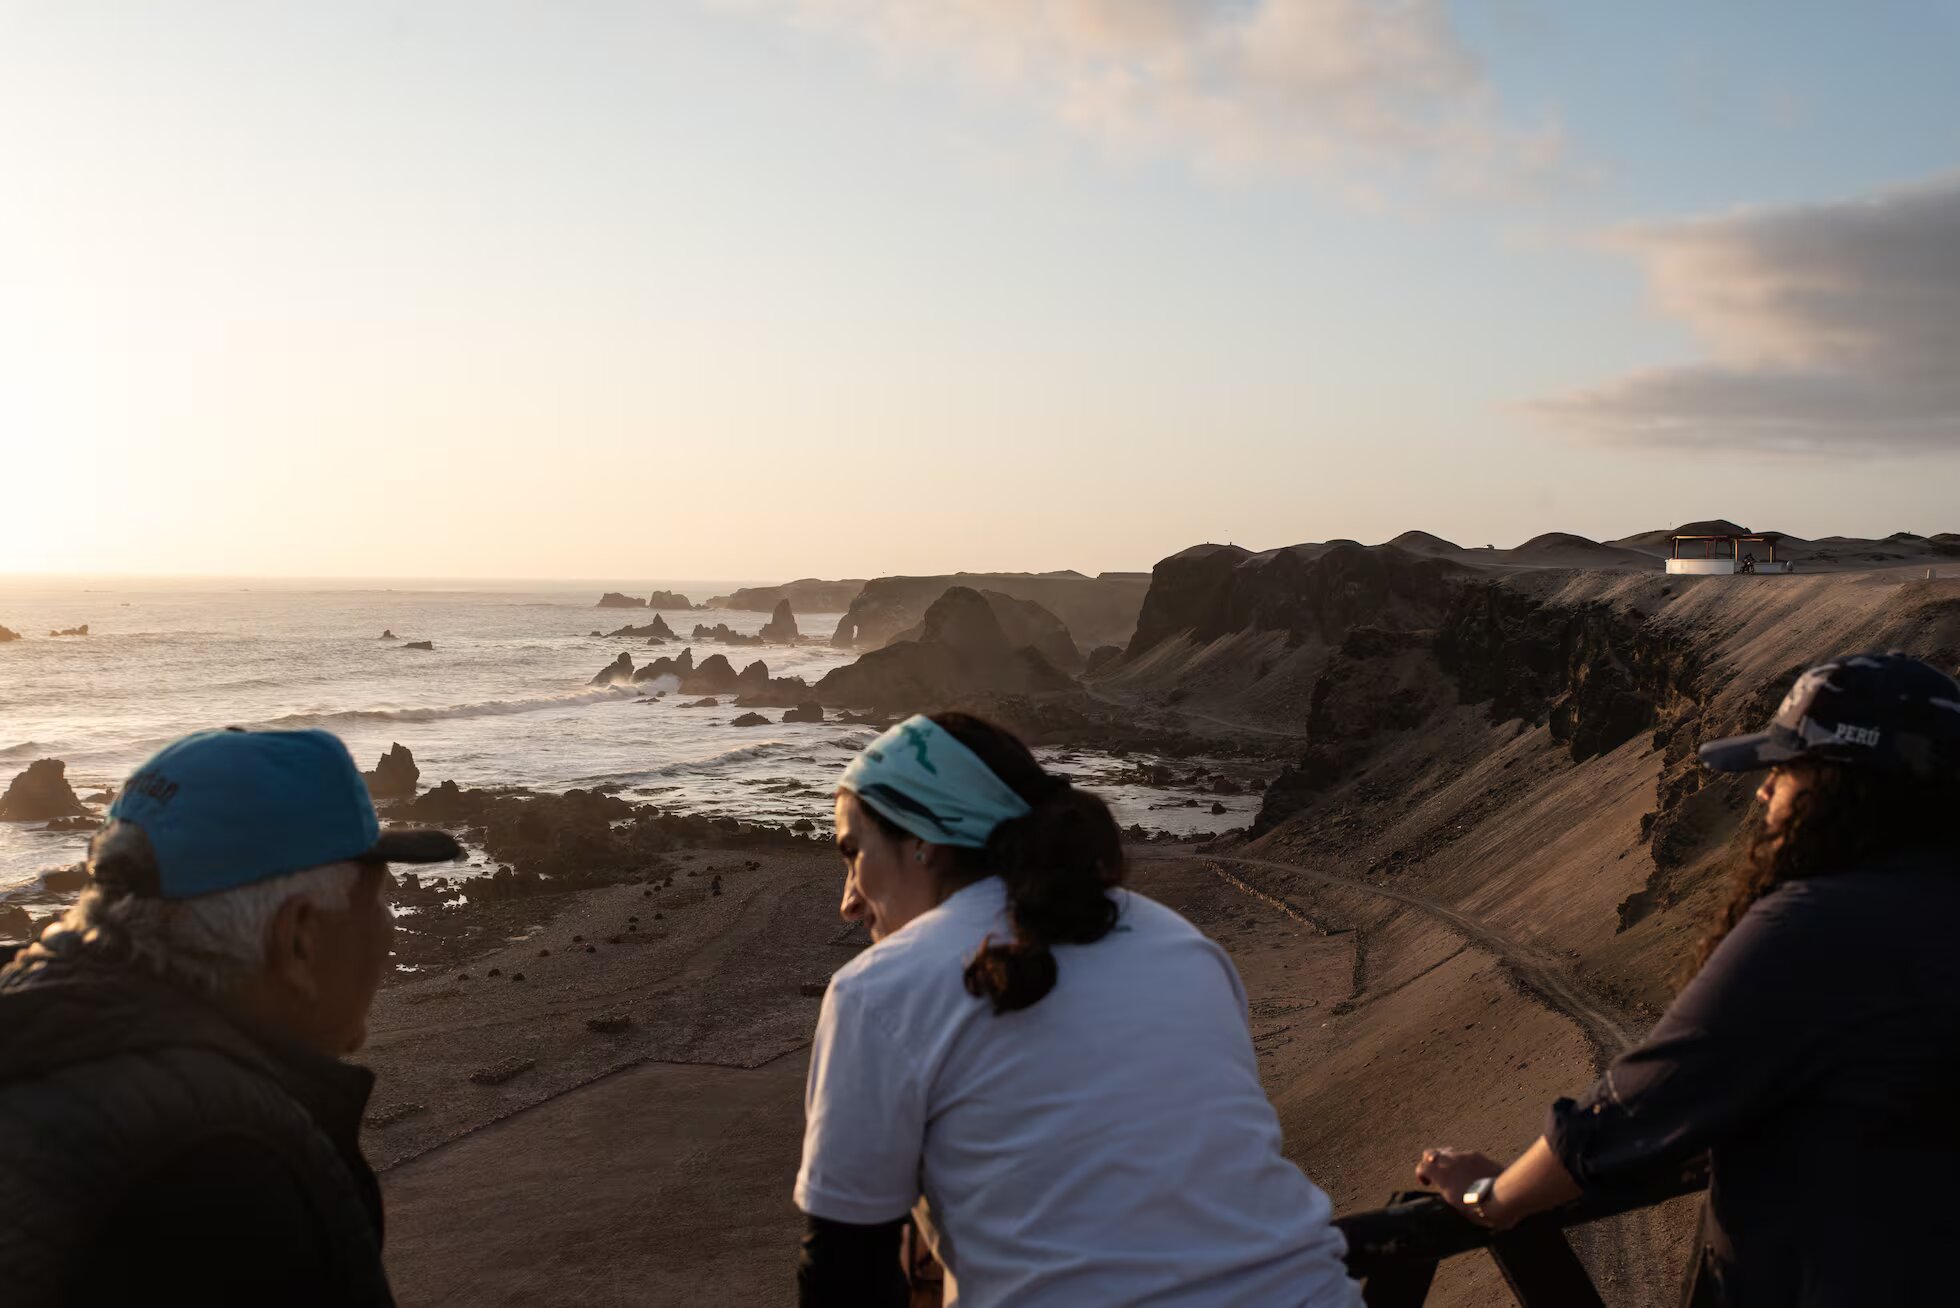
(1394, 1251)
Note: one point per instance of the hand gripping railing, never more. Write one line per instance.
(1394, 1251)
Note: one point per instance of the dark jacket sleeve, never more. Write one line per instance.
(844, 1265)
(1746, 1033)
(226, 1220)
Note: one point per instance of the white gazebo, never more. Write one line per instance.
(1723, 556)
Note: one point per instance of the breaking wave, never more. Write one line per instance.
(491, 708)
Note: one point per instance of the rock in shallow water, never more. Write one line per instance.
(40, 794)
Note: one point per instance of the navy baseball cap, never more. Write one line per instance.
(224, 809)
(1885, 711)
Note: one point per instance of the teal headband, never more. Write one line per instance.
(921, 778)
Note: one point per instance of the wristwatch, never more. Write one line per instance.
(1477, 1197)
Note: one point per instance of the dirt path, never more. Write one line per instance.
(1538, 973)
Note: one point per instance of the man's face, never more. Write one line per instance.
(332, 962)
(1779, 793)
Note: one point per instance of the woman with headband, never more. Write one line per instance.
(1056, 1073)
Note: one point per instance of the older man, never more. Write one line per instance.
(175, 1120)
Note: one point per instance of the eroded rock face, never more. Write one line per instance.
(723, 634)
(809, 711)
(961, 650)
(7, 635)
(668, 599)
(40, 794)
(1100, 657)
(678, 668)
(394, 777)
(1024, 622)
(1304, 590)
(715, 675)
(612, 599)
(750, 720)
(809, 595)
(619, 670)
(781, 626)
(1099, 610)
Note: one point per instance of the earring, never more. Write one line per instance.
(919, 857)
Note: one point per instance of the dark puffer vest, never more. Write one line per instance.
(140, 1125)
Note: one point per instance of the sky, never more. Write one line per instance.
(783, 288)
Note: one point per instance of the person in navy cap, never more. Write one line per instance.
(1814, 1057)
(175, 1120)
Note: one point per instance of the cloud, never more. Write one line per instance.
(1834, 329)
(1356, 91)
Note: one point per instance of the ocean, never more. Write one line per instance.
(501, 700)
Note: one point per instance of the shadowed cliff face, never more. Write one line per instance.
(1095, 610)
(1303, 590)
(960, 650)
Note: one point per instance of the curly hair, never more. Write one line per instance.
(1844, 820)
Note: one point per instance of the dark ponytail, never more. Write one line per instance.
(1058, 862)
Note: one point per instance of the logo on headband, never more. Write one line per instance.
(917, 736)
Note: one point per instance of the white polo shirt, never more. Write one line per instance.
(1110, 1145)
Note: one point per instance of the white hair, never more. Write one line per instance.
(211, 943)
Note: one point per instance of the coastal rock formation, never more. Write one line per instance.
(619, 670)
(667, 599)
(709, 702)
(678, 668)
(388, 635)
(72, 631)
(960, 650)
(755, 688)
(1098, 610)
(612, 599)
(419, 644)
(40, 793)
(1209, 591)
(809, 711)
(808, 595)
(781, 626)
(1024, 622)
(6, 635)
(395, 775)
(750, 720)
(714, 675)
(655, 630)
(723, 634)
(754, 677)
(16, 923)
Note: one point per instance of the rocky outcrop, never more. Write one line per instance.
(1210, 591)
(678, 668)
(714, 675)
(419, 644)
(72, 631)
(40, 793)
(388, 635)
(1025, 622)
(722, 634)
(808, 595)
(1594, 675)
(16, 923)
(655, 630)
(6, 635)
(395, 775)
(668, 599)
(1098, 610)
(615, 672)
(781, 626)
(960, 651)
(808, 711)
(1101, 657)
(612, 599)
(750, 720)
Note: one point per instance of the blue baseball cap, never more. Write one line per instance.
(224, 809)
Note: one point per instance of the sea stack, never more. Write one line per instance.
(6, 635)
(781, 626)
(41, 794)
(612, 599)
(394, 776)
